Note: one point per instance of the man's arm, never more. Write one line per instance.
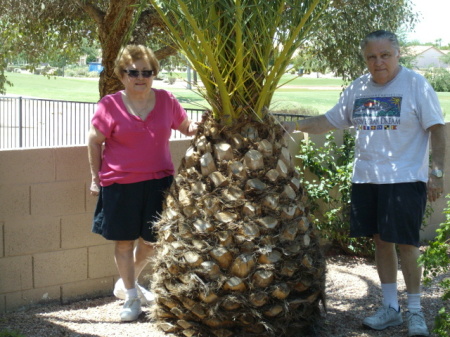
(313, 125)
(438, 143)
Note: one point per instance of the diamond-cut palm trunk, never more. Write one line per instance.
(238, 255)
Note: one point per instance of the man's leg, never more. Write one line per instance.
(386, 260)
(387, 264)
(412, 272)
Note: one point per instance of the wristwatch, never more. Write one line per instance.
(437, 173)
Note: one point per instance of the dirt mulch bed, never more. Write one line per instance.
(353, 292)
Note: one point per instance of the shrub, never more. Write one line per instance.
(81, 72)
(9, 333)
(78, 71)
(92, 74)
(436, 261)
(330, 194)
(69, 72)
(303, 111)
(439, 79)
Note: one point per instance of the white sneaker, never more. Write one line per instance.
(385, 317)
(131, 310)
(416, 324)
(119, 290)
(145, 295)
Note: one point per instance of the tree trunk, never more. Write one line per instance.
(237, 255)
(111, 32)
(113, 26)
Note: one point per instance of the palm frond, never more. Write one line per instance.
(239, 48)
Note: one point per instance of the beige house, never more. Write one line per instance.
(427, 56)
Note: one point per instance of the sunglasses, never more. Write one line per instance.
(135, 73)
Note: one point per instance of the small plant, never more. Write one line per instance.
(93, 74)
(9, 333)
(436, 261)
(303, 111)
(330, 194)
(439, 79)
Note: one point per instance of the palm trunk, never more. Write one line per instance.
(237, 253)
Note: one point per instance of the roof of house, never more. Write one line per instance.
(417, 50)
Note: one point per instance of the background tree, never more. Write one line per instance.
(238, 255)
(307, 63)
(90, 49)
(407, 56)
(335, 39)
(439, 79)
(445, 58)
(57, 27)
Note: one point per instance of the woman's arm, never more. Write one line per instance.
(95, 143)
(188, 127)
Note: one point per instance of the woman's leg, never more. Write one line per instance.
(142, 254)
(124, 257)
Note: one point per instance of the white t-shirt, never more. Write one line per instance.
(391, 122)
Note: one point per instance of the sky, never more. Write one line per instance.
(434, 21)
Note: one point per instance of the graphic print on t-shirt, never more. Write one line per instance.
(377, 113)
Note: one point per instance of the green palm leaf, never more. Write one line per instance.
(239, 48)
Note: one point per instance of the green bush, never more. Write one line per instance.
(9, 333)
(439, 79)
(92, 74)
(79, 71)
(304, 111)
(330, 194)
(436, 261)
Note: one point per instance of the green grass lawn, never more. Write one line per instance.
(286, 98)
(61, 88)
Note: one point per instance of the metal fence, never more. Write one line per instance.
(31, 122)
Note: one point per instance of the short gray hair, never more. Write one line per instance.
(380, 35)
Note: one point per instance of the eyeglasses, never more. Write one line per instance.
(135, 73)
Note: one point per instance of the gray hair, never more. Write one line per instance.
(380, 35)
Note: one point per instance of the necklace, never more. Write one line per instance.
(142, 111)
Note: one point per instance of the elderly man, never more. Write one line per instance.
(396, 113)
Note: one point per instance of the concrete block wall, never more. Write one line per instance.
(47, 250)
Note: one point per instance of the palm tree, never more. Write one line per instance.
(238, 254)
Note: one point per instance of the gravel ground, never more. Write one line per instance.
(352, 292)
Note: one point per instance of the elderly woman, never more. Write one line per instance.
(131, 167)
